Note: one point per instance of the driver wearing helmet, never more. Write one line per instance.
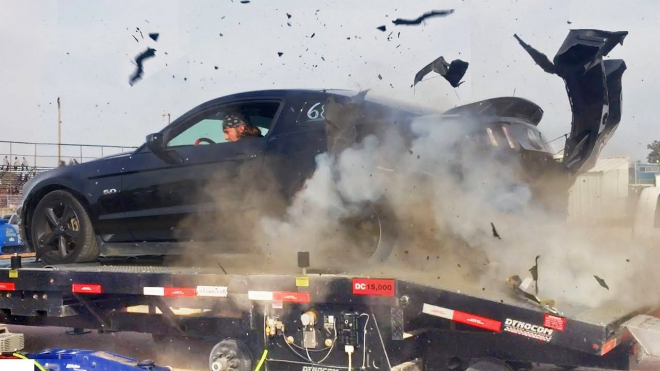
(237, 127)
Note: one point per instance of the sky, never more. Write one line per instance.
(84, 51)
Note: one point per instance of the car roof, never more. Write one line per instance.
(370, 97)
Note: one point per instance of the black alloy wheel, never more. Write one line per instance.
(62, 232)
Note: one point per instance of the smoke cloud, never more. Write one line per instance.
(436, 198)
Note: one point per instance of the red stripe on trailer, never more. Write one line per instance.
(180, 291)
(7, 286)
(82, 288)
(477, 321)
(291, 297)
(462, 317)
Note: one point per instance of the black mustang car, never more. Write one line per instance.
(150, 201)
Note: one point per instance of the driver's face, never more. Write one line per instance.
(232, 134)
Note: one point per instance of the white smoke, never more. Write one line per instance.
(445, 198)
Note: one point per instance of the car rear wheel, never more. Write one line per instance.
(373, 232)
(62, 232)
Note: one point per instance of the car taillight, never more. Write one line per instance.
(534, 139)
(491, 136)
(508, 137)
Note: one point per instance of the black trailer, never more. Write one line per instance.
(326, 322)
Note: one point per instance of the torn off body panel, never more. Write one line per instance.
(452, 72)
(594, 91)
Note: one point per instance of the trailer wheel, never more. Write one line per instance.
(230, 355)
(62, 231)
(489, 364)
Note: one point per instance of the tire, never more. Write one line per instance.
(374, 232)
(230, 354)
(62, 232)
(389, 235)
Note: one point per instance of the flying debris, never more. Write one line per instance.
(136, 40)
(535, 273)
(495, 234)
(538, 57)
(601, 282)
(452, 72)
(288, 15)
(154, 36)
(519, 286)
(420, 19)
(149, 53)
(280, 54)
(382, 28)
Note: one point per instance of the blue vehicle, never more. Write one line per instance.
(10, 242)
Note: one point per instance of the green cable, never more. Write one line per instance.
(261, 361)
(40, 367)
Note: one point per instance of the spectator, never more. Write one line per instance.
(5, 164)
(62, 163)
(75, 162)
(16, 163)
(24, 165)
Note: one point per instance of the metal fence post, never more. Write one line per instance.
(34, 164)
(81, 155)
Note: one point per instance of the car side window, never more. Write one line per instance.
(208, 124)
(206, 128)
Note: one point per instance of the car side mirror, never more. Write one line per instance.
(156, 145)
(155, 142)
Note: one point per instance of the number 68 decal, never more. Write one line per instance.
(316, 112)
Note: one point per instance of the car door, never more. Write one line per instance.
(190, 200)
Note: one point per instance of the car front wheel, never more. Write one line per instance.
(62, 231)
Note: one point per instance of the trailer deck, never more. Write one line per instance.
(296, 319)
